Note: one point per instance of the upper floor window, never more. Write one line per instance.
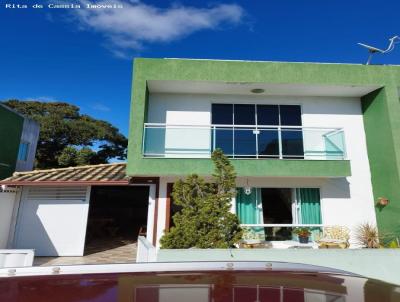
(270, 131)
(261, 115)
(23, 151)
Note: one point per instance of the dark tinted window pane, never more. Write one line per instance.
(245, 114)
(269, 294)
(292, 143)
(245, 142)
(223, 139)
(267, 115)
(290, 115)
(222, 114)
(245, 294)
(268, 143)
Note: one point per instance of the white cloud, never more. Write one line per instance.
(47, 99)
(100, 107)
(137, 23)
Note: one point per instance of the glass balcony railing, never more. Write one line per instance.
(279, 142)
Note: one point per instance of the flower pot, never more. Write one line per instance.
(303, 239)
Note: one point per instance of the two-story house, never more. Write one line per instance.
(18, 139)
(312, 144)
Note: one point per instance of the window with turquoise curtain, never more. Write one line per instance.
(249, 208)
(310, 208)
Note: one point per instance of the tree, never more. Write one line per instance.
(72, 156)
(67, 137)
(205, 220)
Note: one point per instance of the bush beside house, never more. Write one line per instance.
(205, 220)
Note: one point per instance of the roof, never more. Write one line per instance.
(103, 174)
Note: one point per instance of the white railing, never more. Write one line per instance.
(243, 141)
(281, 231)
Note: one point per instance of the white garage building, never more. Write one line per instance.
(63, 212)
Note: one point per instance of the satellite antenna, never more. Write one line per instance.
(394, 40)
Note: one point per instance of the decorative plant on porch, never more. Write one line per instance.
(303, 233)
(205, 220)
(251, 236)
(366, 235)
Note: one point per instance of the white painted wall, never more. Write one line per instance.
(7, 201)
(16, 258)
(162, 208)
(345, 201)
(53, 226)
(181, 142)
(146, 252)
(150, 212)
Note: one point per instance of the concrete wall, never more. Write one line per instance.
(382, 264)
(146, 252)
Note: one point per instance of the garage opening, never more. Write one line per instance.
(117, 215)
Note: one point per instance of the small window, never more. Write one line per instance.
(23, 151)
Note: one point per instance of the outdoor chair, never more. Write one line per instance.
(334, 237)
(142, 231)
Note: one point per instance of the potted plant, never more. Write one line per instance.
(303, 233)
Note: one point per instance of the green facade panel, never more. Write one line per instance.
(381, 112)
(10, 135)
(243, 167)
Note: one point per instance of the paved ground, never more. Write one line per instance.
(122, 251)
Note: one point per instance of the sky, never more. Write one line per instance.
(85, 56)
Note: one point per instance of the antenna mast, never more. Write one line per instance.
(372, 50)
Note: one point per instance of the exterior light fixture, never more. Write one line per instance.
(383, 201)
(257, 90)
(247, 188)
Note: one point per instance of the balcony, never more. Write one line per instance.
(243, 142)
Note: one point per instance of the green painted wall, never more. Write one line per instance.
(381, 121)
(10, 135)
(243, 167)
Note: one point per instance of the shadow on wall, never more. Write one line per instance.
(48, 227)
(336, 188)
(31, 233)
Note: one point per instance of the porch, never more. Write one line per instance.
(104, 252)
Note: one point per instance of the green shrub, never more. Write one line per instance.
(205, 220)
